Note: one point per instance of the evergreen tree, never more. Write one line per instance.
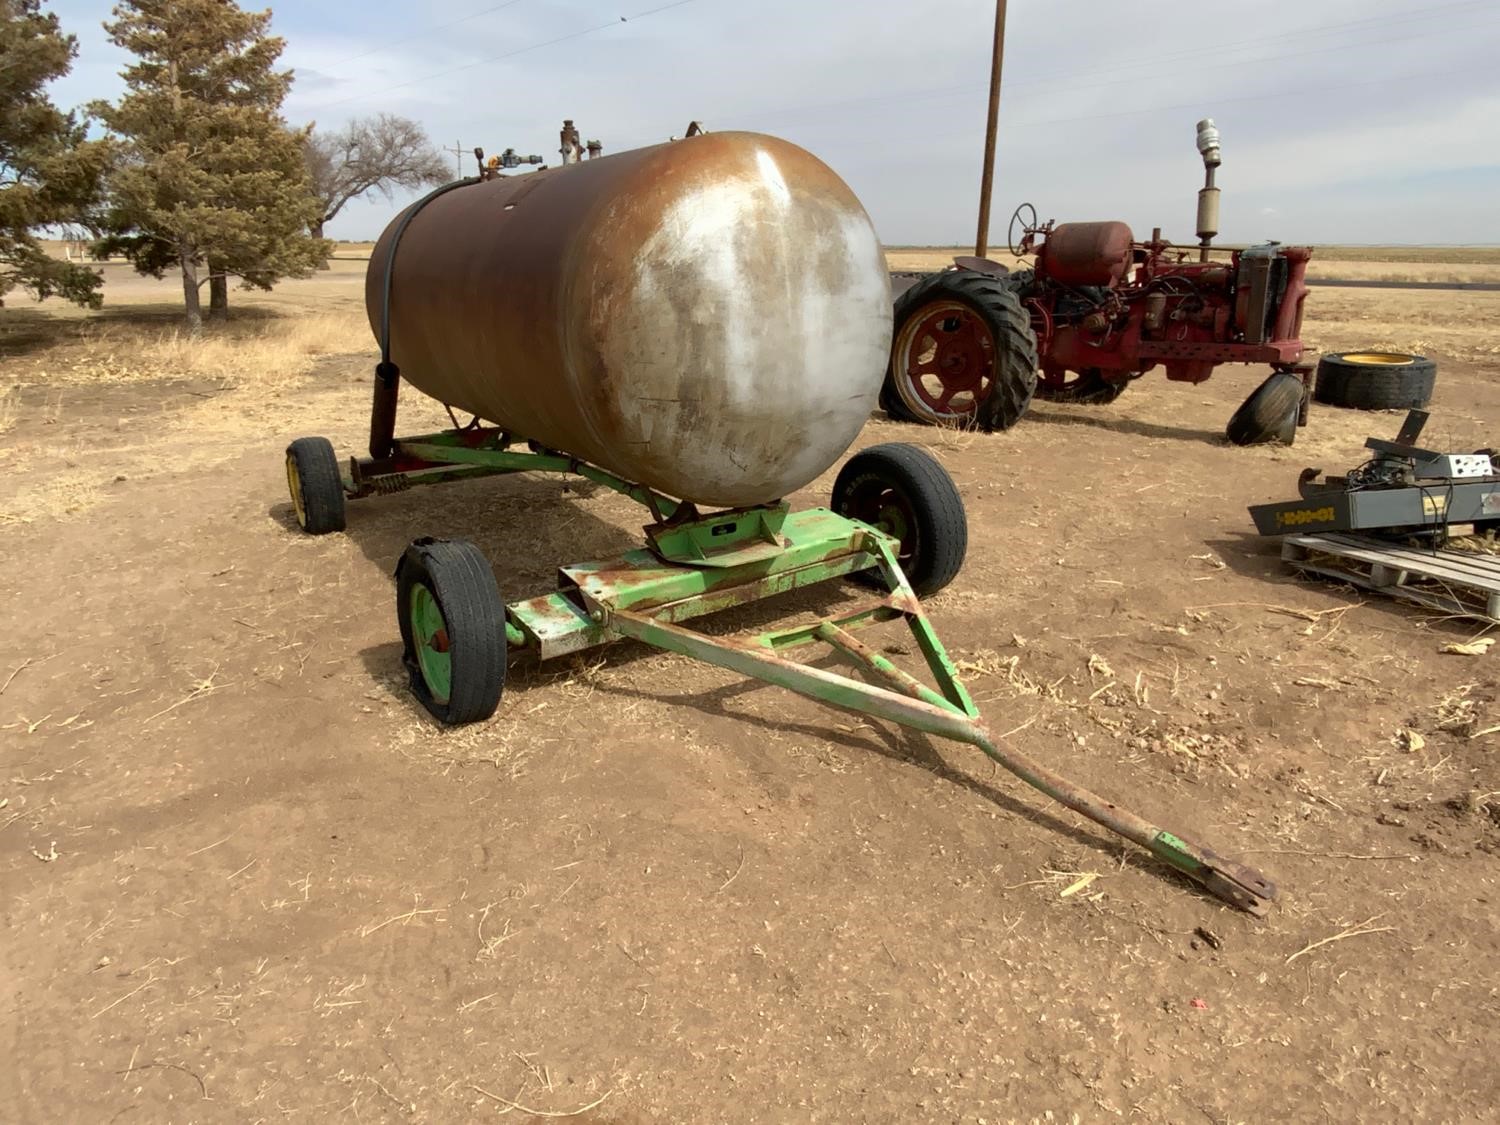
(210, 179)
(49, 175)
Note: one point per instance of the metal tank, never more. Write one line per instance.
(710, 317)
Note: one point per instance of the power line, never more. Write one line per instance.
(1070, 86)
(884, 136)
(518, 51)
(1068, 80)
(420, 34)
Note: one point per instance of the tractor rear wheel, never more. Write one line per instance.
(904, 491)
(963, 353)
(1089, 387)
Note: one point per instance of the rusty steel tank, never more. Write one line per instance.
(710, 317)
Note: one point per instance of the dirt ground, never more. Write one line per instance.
(244, 878)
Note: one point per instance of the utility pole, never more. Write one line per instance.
(987, 183)
(458, 151)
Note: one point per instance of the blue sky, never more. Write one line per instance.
(1343, 120)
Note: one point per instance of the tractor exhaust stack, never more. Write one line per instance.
(1208, 197)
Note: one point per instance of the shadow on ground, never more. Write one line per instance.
(1103, 421)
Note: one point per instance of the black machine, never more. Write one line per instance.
(1403, 491)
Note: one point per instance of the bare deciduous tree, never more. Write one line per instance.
(371, 154)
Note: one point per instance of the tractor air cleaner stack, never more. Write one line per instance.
(1208, 195)
(702, 322)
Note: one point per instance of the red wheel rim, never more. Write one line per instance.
(945, 361)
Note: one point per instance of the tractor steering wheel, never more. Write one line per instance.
(1028, 228)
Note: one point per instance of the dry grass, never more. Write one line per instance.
(267, 351)
(256, 349)
(1423, 323)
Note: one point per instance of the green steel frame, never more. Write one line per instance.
(700, 564)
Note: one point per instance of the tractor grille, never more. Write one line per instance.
(1275, 293)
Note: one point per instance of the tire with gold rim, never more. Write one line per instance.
(1375, 380)
(316, 487)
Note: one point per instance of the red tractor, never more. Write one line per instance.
(973, 343)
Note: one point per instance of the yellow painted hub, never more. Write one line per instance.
(1385, 359)
(294, 485)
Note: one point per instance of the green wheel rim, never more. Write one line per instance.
(429, 634)
(893, 521)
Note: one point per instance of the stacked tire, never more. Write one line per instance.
(1375, 380)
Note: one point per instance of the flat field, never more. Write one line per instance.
(245, 878)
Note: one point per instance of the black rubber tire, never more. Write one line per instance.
(313, 472)
(1375, 386)
(1091, 388)
(1020, 282)
(996, 302)
(460, 579)
(1269, 414)
(932, 552)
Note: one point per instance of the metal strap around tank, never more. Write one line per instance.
(387, 371)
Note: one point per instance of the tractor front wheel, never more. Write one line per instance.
(963, 353)
(1269, 414)
(904, 491)
(452, 622)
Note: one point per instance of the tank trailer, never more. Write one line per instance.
(701, 326)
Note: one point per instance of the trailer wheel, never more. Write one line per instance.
(963, 353)
(1375, 380)
(1090, 388)
(312, 477)
(903, 490)
(1269, 414)
(452, 629)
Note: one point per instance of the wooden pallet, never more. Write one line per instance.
(1456, 582)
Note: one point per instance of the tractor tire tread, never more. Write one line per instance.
(1365, 386)
(998, 303)
(1091, 390)
(1269, 413)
